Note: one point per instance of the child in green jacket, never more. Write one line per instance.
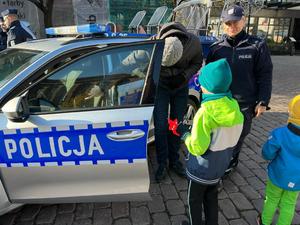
(216, 129)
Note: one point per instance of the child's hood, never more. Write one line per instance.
(293, 138)
(225, 112)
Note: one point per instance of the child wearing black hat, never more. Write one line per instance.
(216, 129)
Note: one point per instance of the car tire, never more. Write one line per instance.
(190, 112)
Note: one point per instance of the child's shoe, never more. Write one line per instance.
(161, 173)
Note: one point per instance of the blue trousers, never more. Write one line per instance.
(167, 144)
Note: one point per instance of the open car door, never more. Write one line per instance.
(79, 133)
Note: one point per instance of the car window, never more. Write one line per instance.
(110, 78)
(13, 61)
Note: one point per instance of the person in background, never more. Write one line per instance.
(182, 58)
(216, 129)
(92, 19)
(3, 35)
(283, 151)
(251, 66)
(16, 33)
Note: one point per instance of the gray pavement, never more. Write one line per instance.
(240, 201)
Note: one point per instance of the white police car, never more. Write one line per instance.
(61, 142)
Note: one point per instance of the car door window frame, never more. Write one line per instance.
(38, 75)
(153, 68)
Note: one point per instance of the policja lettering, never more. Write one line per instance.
(62, 147)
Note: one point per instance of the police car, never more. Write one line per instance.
(62, 141)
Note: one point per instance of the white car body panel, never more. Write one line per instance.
(59, 182)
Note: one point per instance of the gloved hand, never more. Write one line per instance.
(176, 82)
(179, 129)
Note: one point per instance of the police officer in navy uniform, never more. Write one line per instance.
(16, 33)
(251, 66)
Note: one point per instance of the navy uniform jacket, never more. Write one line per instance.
(17, 34)
(251, 67)
(3, 40)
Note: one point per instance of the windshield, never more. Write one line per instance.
(13, 61)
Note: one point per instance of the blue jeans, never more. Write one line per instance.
(167, 144)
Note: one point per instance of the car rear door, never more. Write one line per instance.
(86, 136)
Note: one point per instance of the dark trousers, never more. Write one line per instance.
(206, 195)
(248, 113)
(167, 144)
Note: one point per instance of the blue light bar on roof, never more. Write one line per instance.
(80, 29)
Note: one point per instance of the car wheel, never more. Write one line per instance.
(190, 112)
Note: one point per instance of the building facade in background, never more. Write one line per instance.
(82, 9)
(71, 12)
(279, 20)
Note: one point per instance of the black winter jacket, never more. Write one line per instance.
(190, 62)
(3, 40)
(251, 67)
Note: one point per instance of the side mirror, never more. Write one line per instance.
(16, 109)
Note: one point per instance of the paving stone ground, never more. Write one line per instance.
(240, 201)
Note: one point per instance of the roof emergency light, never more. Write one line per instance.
(80, 29)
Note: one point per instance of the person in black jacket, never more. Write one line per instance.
(182, 58)
(251, 67)
(3, 35)
(16, 33)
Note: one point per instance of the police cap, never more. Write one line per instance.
(9, 12)
(232, 13)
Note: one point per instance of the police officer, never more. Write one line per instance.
(251, 66)
(16, 33)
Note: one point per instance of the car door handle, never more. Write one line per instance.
(125, 135)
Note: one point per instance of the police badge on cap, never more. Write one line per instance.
(9, 12)
(232, 13)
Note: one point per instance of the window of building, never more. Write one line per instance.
(252, 26)
(278, 29)
(262, 28)
(274, 29)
